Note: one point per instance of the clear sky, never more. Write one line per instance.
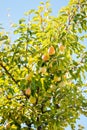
(18, 7)
(16, 10)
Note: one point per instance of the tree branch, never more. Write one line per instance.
(4, 67)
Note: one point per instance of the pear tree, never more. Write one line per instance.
(43, 71)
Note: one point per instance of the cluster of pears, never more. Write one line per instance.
(45, 57)
(51, 51)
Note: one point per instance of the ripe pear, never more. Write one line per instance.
(61, 48)
(45, 57)
(29, 76)
(28, 91)
(43, 70)
(51, 50)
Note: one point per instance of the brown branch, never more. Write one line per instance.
(4, 67)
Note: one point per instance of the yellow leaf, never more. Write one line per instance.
(32, 100)
(29, 76)
(56, 78)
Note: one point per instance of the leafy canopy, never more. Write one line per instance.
(42, 72)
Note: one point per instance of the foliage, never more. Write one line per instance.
(42, 72)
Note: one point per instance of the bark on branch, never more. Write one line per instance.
(7, 72)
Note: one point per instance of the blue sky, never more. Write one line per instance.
(16, 10)
(18, 7)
